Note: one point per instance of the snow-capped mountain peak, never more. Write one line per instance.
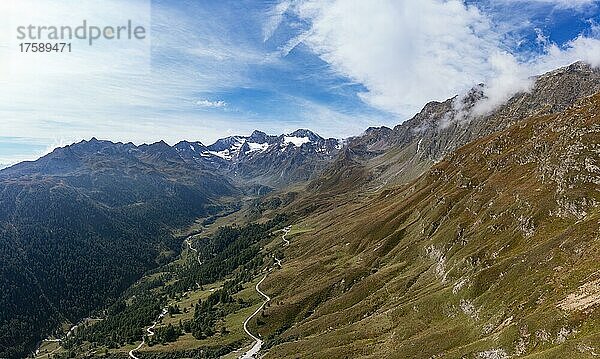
(299, 155)
(227, 148)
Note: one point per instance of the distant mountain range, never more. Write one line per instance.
(256, 159)
(422, 207)
(265, 159)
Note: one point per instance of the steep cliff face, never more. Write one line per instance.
(489, 254)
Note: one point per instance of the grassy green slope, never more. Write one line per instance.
(493, 252)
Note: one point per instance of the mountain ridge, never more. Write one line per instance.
(490, 254)
(262, 159)
(409, 149)
(112, 199)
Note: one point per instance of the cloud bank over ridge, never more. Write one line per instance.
(407, 52)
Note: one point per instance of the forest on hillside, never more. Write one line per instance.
(232, 254)
(65, 254)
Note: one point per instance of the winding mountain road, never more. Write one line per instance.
(258, 342)
(286, 230)
(250, 354)
(60, 340)
(150, 331)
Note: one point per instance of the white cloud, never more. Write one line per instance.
(508, 78)
(562, 4)
(211, 104)
(407, 52)
(595, 29)
(274, 18)
(286, 48)
(582, 48)
(104, 57)
(125, 102)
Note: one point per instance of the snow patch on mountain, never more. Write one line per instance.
(225, 154)
(257, 147)
(296, 141)
(232, 151)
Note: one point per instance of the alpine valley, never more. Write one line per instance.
(468, 231)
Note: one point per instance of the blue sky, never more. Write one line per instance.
(218, 68)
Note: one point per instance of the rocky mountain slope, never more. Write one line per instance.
(491, 253)
(393, 156)
(261, 159)
(283, 160)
